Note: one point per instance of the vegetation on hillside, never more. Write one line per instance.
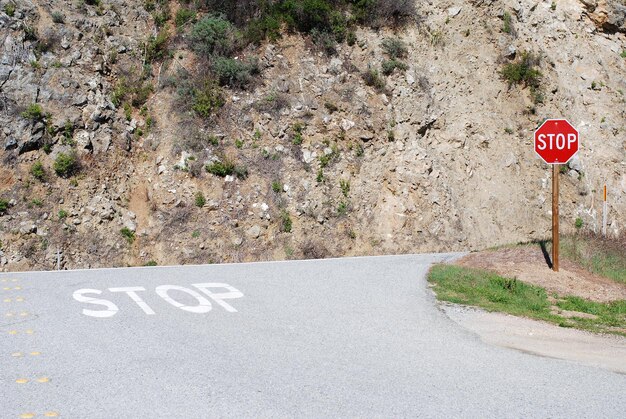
(493, 292)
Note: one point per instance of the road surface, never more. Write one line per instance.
(356, 337)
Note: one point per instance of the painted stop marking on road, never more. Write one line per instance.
(556, 141)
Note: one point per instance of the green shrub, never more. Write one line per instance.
(208, 99)
(151, 263)
(141, 94)
(325, 41)
(62, 214)
(507, 26)
(395, 48)
(298, 129)
(200, 199)
(276, 187)
(345, 187)
(38, 171)
(66, 165)
(623, 54)
(285, 222)
(320, 175)
(9, 9)
(214, 36)
(241, 172)
(4, 206)
(236, 73)
(183, 16)
(57, 17)
(578, 223)
(342, 208)
(227, 168)
(388, 66)
(377, 13)
(33, 112)
(156, 47)
(274, 103)
(261, 28)
(306, 15)
(523, 70)
(128, 234)
(68, 133)
(221, 168)
(372, 78)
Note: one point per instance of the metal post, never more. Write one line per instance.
(604, 214)
(555, 217)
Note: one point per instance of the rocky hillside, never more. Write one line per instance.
(159, 132)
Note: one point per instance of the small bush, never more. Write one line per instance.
(200, 199)
(183, 16)
(325, 41)
(523, 70)
(395, 48)
(151, 263)
(33, 112)
(578, 223)
(9, 9)
(306, 15)
(276, 187)
(285, 222)
(235, 73)
(38, 171)
(128, 234)
(345, 187)
(377, 13)
(57, 17)
(221, 168)
(208, 99)
(507, 26)
(298, 129)
(62, 214)
(372, 78)
(4, 206)
(389, 66)
(214, 36)
(273, 103)
(156, 47)
(66, 165)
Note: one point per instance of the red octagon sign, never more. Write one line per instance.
(556, 141)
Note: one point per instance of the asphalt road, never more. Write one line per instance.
(358, 337)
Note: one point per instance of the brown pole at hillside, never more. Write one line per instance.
(555, 217)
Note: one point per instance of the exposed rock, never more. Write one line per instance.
(254, 231)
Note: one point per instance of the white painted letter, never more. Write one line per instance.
(111, 308)
(551, 137)
(131, 291)
(542, 141)
(560, 141)
(571, 139)
(232, 293)
(204, 307)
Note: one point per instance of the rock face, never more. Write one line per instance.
(608, 15)
(315, 161)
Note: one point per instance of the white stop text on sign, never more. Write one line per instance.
(556, 141)
(203, 296)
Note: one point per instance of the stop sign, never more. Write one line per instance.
(556, 141)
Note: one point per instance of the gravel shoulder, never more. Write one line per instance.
(541, 338)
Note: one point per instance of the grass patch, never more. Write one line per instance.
(602, 256)
(492, 292)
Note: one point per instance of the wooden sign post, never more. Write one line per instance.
(556, 142)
